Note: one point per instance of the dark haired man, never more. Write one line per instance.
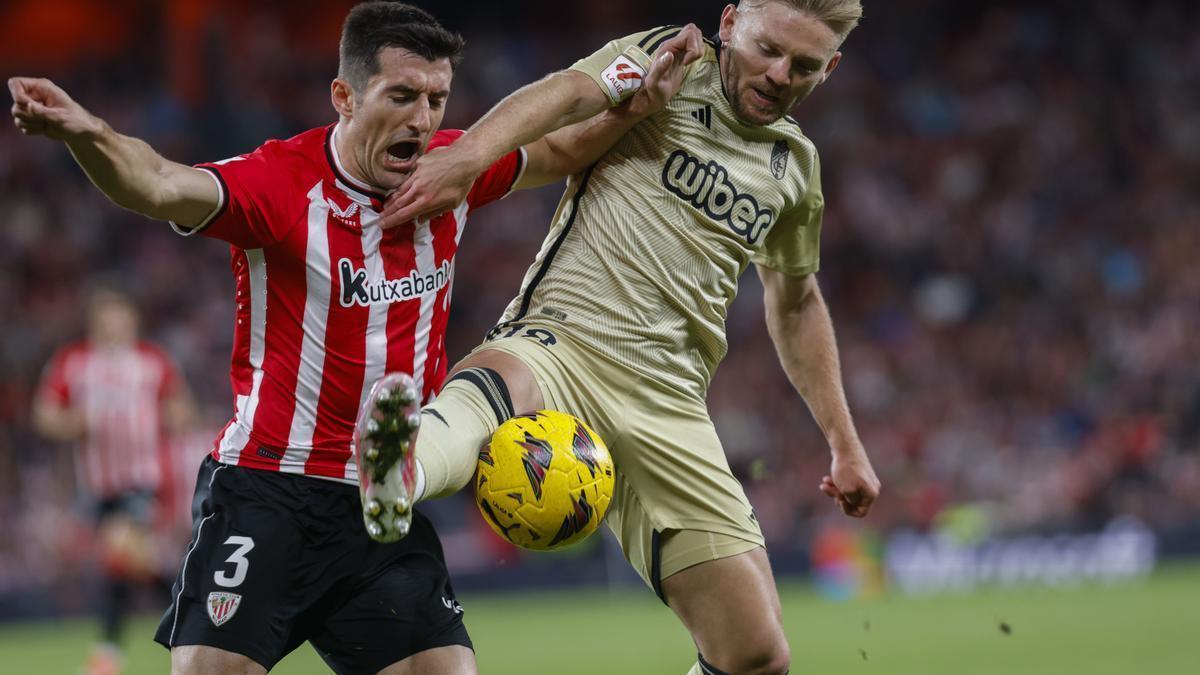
(327, 302)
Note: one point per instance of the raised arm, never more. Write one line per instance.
(572, 149)
(799, 324)
(127, 170)
(524, 118)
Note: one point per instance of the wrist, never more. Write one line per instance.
(91, 131)
(474, 153)
(845, 444)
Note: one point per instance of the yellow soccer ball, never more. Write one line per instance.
(544, 481)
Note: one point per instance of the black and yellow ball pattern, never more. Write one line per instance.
(544, 481)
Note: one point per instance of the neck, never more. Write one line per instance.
(350, 162)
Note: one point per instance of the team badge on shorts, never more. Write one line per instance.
(222, 606)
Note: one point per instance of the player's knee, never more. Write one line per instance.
(204, 660)
(754, 657)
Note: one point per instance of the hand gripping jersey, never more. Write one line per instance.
(645, 251)
(327, 301)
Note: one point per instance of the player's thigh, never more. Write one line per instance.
(524, 392)
(672, 475)
(402, 610)
(730, 606)
(453, 660)
(247, 572)
(565, 375)
(202, 660)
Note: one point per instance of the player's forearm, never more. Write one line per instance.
(572, 149)
(125, 169)
(57, 423)
(804, 339)
(530, 113)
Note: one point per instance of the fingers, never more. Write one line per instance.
(855, 503)
(660, 67)
(695, 44)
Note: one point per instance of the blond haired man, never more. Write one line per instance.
(620, 320)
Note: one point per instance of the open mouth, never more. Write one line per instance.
(402, 151)
(764, 98)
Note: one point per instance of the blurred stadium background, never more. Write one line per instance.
(1010, 253)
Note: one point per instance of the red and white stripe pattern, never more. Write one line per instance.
(119, 392)
(328, 301)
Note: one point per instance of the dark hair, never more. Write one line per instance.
(373, 26)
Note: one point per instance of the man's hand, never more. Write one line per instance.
(852, 483)
(440, 182)
(444, 177)
(667, 69)
(42, 108)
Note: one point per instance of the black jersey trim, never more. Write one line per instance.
(541, 273)
(653, 48)
(656, 565)
(655, 33)
(347, 182)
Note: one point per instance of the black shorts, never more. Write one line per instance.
(278, 559)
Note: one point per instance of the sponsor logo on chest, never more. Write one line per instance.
(359, 289)
(707, 186)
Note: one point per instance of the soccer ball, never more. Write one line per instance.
(544, 481)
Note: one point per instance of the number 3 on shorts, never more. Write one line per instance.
(238, 558)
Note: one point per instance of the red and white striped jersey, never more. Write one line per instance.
(327, 301)
(119, 392)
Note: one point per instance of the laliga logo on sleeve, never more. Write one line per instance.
(623, 77)
(222, 606)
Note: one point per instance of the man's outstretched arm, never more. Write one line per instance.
(535, 116)
(799, 324)
(127, 170)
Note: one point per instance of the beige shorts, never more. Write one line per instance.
(672, 475)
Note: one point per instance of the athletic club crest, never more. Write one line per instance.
(779, 157)
(222, 606)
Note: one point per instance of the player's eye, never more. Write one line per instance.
(437, 102)
(767, 50)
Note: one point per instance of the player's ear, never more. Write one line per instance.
(728, 19)
(829, 67)
(342, 96)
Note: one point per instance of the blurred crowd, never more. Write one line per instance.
(1011, 248)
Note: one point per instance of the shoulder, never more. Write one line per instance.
(300, 153)
(445, 137)
(152, 351)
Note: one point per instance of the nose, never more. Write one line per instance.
(422, 118)
(779, 73)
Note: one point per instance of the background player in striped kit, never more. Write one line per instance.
(326, 301)
(117, 397)
(621, 318)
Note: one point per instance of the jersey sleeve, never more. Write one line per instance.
(793, 244)
(497, 180)
(253, 208)
(620, 66)
(54, 387)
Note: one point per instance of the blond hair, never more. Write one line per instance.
(840, 15)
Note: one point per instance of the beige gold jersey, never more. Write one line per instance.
(646, 248)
